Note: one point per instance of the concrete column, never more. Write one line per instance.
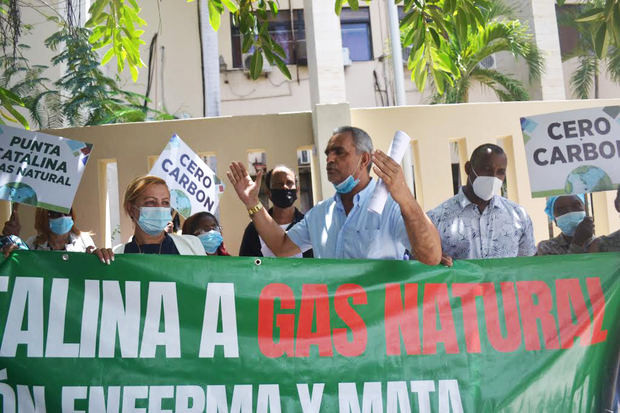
(327, 84)
(324, 51)
(541, 17)
(210, 63)
(326, 118)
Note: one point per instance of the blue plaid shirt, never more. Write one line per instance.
(503, 229)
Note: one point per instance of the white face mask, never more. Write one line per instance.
(485, 187)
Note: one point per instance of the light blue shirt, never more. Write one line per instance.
(361, 234)
(503, 229)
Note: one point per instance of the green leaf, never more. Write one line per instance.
(134, 73)
(231, 6)
(96, 8)
(338, 6)
(591, 15)
(354, 4)
(248, 41)
(256, 64)
(601, 42)
(274, 7)
(214, 15)
(282, 66)
(108, 55)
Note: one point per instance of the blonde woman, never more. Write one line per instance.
(147, 203)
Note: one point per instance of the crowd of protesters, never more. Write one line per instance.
(476, 223)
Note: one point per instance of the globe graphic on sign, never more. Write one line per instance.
(587, 178)
(181, 202)
(18, 192)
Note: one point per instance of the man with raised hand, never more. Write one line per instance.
(342, 226)
(478, 222)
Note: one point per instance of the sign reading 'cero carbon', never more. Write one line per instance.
(194, 334)
(192, 183)
(573, 152)
(39, 169)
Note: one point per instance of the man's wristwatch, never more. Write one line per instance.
(255, 209)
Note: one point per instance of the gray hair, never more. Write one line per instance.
(361, 140)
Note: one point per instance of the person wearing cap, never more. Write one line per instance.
(568, 213)
(478, 222)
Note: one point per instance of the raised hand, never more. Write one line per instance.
(584, 231)
(247, 190)
(12, 226)
(392, 175)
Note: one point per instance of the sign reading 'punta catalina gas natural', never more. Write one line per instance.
(39, 169)
(573, 152)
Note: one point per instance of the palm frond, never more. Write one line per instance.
(504, 86)
(582, 79)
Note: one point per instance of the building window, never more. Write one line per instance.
(356, 36)
(568, 34)
(286, 28)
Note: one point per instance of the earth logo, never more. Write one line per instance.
(587, 178)
(181, 202)
(18, 192)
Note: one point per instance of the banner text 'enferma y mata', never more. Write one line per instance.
(193, 334)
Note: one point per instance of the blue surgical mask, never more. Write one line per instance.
(61, 225)
(153, 220)
(568, 222)
(348, 184)
(211, 241)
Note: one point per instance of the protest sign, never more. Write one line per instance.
(573, 152)
(39, 169)
(231, 334)
(192, 183)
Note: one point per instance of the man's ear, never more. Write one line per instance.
(468, 168)
(366, 159)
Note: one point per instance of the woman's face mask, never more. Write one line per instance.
(568, 222)
(211, 241)
(62, 225)
(153, 220)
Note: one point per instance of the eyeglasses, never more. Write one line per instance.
(205, 230)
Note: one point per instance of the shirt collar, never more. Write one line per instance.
(463, 201)
(361, 196)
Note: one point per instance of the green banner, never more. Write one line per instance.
(227, 334)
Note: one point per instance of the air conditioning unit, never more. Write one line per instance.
(301, 55)
(488, 62)
(247, 61)
(346, 57)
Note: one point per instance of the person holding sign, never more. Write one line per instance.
(342, 226)
(204, 225)
(478, 222)
(569, 214)
(56, 231)
(282, 190)
(611, 242)
(147, 202)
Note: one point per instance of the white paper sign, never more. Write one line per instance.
(573, 152)
(192, 183)
(39, 169)
(399, 145)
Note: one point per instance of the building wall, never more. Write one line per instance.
(280, 136)
(177, 79)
